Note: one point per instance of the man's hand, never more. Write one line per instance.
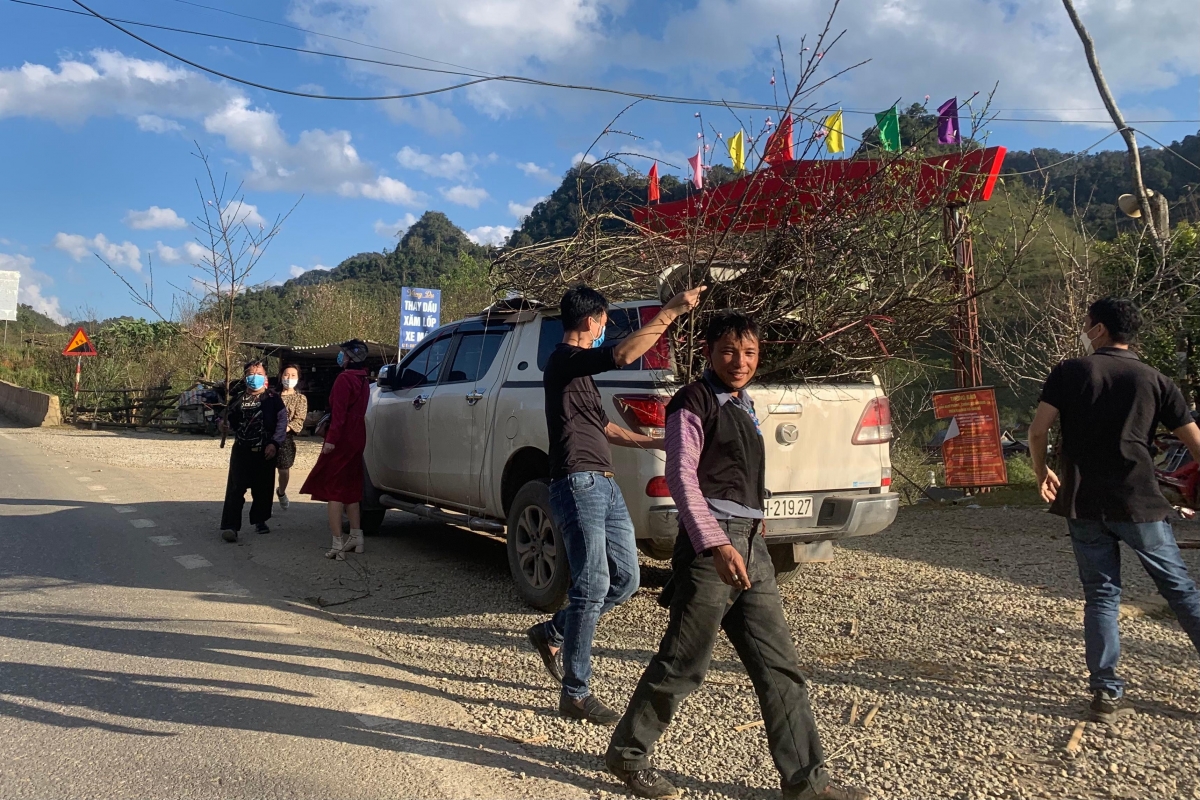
(1048, 484)
(730, 566)
(223, 427)
(684, 301)
(327, 447)
(269, 452)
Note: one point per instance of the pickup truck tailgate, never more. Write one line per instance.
(808, 432)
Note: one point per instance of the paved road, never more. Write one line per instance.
(142, 657)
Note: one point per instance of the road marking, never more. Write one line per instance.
(372, 721)
(125, 509)
(143, 523)
(109, 499)
(84, 479)
(229, 587)
(193, 561)
(95, 488)
(164, 541)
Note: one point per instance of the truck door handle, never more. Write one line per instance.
(420, 400)
(474, 397)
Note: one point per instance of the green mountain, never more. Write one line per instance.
(30, 321)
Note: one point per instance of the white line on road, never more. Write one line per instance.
(125, 509)
(143, 523)
(84, 479)
(193, 561)
(164, 541)
(98, 488)
(229, 587)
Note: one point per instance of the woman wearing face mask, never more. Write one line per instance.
(297, 410)
(257, 419)
(337, 477)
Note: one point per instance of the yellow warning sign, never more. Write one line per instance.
(80, 345)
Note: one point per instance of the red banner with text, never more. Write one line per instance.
(971, 450)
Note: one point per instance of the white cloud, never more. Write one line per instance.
(152, 123)
(389, 190)
(238, 213)
(31, 287)
(523, 210)
(495, 235)
(447, 165)
(296, 271)
(154, 217)
(465, 195)
(534, 171)
(392, 230)
(579, 158)
(190, 252)
(423, 113)
(78, 247)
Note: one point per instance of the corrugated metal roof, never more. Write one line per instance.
(387, 352)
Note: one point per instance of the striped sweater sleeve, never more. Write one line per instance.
(685, 441)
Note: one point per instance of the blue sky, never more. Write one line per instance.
(98, 129)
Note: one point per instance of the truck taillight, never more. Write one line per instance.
(644, 413)
(658, 356)
(657, 487)
(875, 425)
(887, 477)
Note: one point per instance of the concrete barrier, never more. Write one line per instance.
(29, 407)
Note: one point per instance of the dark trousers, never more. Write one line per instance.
(248, 469)
(701, 607)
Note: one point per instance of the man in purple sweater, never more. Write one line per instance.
(724, 579)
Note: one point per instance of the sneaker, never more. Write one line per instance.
(229, 535)
(541, 643)
(590, 710)
(1106, 707)
(283, 501)
(261, 528)
(647, 782)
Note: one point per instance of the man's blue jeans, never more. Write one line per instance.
(1098, 552)
(590, 513)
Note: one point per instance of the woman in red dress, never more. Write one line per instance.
(337, 477)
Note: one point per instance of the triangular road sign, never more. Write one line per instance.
(80, 345)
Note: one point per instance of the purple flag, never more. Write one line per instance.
(948, 122)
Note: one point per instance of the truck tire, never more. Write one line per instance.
(659, 549)
(785, 565)
(536, 556)
(372, 520)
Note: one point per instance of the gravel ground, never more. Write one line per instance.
(968, 636)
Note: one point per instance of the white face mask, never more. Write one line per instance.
(290, 383)
(1086, 342)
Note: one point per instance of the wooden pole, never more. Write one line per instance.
(964, 329)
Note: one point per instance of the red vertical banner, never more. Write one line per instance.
(971, 451)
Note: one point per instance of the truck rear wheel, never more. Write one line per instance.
(785, 563)
(536, 556)
(372, 520)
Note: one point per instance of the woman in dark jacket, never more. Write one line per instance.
(337, 477)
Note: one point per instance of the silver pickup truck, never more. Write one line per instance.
(457, 432)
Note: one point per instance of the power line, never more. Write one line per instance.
(1169, 150)
(477, 77)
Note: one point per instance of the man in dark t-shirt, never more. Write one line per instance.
(1111, 405)
(586, 505)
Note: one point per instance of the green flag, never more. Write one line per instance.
(889, 129)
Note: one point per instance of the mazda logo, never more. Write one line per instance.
(787, 433)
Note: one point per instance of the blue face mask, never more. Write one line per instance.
(341, 357)
(255, 382)
(599, 340)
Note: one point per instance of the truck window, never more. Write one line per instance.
(621, 322)
(476, 352)
(424, 365)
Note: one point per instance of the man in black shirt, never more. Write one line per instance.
(585, 502)
(257, 419)
(1111, 404)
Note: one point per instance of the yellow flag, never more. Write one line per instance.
(737, 151)
(833, 133)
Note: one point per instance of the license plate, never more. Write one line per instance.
(787, 507)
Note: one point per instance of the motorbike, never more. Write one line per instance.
(1177, 474)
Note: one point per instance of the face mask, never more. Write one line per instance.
(256, 382)
(1088, 347)
(290, 383)
(341, 357)
(599, 340)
